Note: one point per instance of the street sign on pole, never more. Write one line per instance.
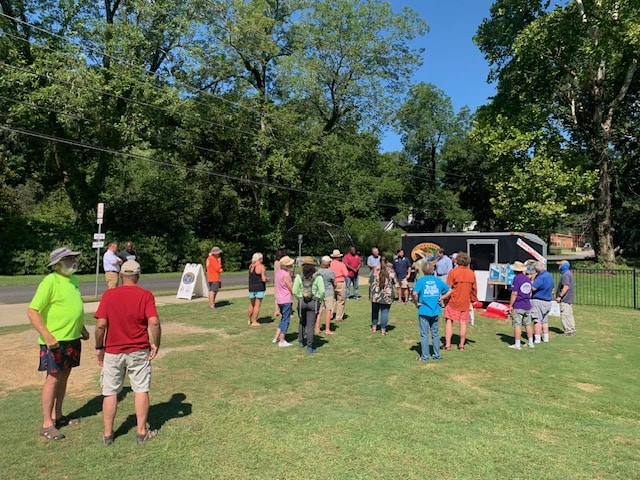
(100, 243)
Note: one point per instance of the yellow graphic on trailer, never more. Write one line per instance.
(427, 250)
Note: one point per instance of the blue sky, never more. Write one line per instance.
(452, 61)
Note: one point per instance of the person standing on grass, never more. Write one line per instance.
(328, 301)
(276, 266)
(382, 283)
(520, 305)
(309, 289)
(214, 269)
(284, 299)
(402, 269)
(565, 297)
(56, 312)
(373, 261)
(123, 320)
(541, 298)
(462, 281)
(257, 288)
(111, 264)
(444, 264)
(128, 253)
(340, 272)
(353, 262)
(429, 293)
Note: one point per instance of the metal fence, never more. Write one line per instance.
(606, 288)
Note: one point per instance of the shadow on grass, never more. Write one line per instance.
(159, 414)
(455, 340)
(509, 339)
(556, 330)
(265, 320)
(222, 303)
(94, 406)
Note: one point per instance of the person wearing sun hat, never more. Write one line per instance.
(284, 299)
(56, 312)
(565, 297)
(309, 289)
(214, 269)
(520, 305)
(340, 290)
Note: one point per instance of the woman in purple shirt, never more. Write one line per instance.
(520, 305)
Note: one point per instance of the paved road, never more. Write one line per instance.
(23, 293)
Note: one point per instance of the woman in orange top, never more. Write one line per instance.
(464, 291)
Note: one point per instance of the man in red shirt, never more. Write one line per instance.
(124, 317)
(214, 269)
(353, 262)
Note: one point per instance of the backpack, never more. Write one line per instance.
(307, 288)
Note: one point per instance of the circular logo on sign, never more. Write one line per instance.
(428, 251)
(188, 278)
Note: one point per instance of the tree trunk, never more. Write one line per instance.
(601, 223)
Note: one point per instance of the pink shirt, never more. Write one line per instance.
(283, 294)
(339, 270)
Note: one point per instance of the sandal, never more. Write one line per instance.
(147, 436)
(460, 347)
(446, 348)
(108, 439)
(383, 332)
(63, 421)
(329, 332)
(51, 433)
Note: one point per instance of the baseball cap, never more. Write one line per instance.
(130, 267)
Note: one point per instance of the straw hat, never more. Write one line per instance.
(336, 254)
(286, 261)
(307, 260)
(518, 266)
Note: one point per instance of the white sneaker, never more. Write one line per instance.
(284, 344)
(536, 341)
(275, 340)
(530, 345)
(517, 347)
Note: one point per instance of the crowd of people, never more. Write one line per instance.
(128, 329)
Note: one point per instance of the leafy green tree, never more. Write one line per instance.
(427, 121)
(571, 69)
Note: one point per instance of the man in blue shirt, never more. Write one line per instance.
(541, 297)
(429, 292)
(402, 267)
(443, 264)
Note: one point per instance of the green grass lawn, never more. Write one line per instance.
(231, 405)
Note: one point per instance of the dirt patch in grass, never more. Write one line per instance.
(588, 387)
(470, 381)
(22, 349)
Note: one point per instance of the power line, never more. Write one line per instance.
(166, 78)
(234, 178)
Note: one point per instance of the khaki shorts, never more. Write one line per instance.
(520, 317)
(136, 364)
(404, 283)
(329, 303)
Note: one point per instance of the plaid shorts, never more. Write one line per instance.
(54, 360)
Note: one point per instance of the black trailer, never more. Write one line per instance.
(484, 248)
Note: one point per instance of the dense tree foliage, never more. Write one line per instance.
(568, 85)
(225, 120)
